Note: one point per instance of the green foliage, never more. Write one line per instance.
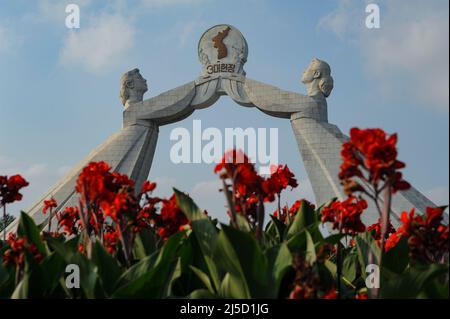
(215, 261)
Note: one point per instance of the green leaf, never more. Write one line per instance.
(4, 274)
(7, 285)
(327, 274)
(311, 256)
(27, 228)
(305, 217)
(334, 239)
(188, 207)
(349, 266)
(65, 250)
(213, 271)
(173, 277)
(203, 278)
(396, 259)
(39, 280)
(108, 269)
(88, 276)
(332, 268)
(281, 264)
(203, 228)
(51, 270)
(278, 227)
(22, 289)
(242, 223)
(201, 294)
(32, 283)
(204, 231)
(435, 290)
(144, 244)
(412, 283)
(239, 254)
(228, 260)
(153, 283)
(297, 243)
(137, 270)
(232, 287)
(367, 250)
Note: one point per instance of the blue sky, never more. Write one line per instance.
(59, 87)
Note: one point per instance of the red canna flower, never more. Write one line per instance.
(434, 216)
(10, 188)
(146, 216)
(392, 241)
(49, 205)
(148, 187)
(346, 215)
(110, 240)
(330, 294)
(371, 154)
(292, 211)
(15, 255)
(280, 178)
(377, 230)
(69, 219)
(362, 296)
(247, 189)
(236, 166)
(171, 218)
(93, 181)
(427, 236)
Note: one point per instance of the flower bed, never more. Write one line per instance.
(130, 244)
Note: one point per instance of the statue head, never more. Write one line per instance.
(132, 87)
(317, 78)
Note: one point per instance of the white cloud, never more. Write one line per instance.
(341, 20)
(411, 46)
(4, 41)
(8, 40)
(188, 32)
(55, 10)
(100, 46)
(165, 3)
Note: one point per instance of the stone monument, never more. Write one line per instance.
(223, 51)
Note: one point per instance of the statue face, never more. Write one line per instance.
(139, 83)
(309, 74)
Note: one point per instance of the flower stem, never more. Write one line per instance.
(50, 220)
(125, 247)
(385, 221)
(260, 217)
(4, 222)
(230, 202)
(279, 203)
(339, 264)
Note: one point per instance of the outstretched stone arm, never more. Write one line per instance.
(279, 103)
(168, 107)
